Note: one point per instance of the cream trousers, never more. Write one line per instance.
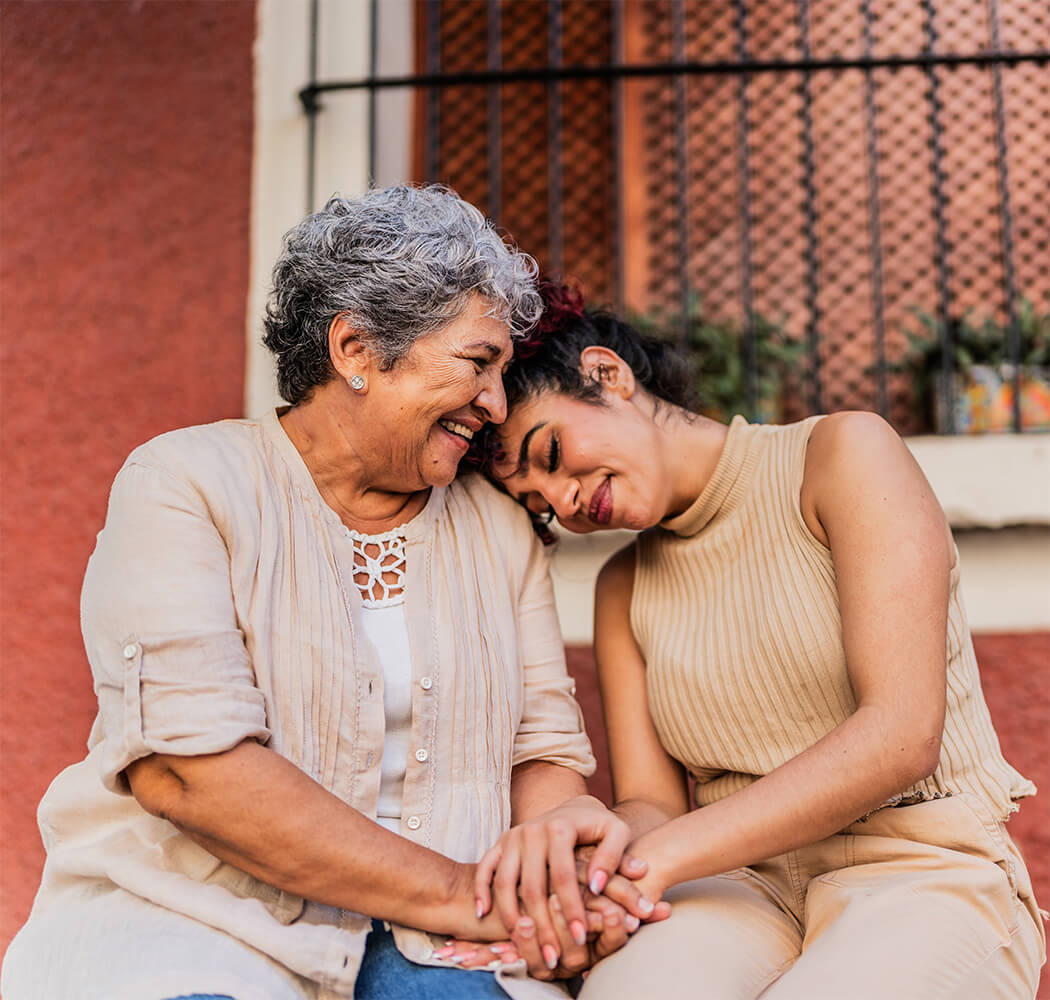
(922, 902)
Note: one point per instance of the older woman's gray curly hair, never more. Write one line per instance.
(398, 262)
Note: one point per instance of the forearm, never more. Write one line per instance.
(537, 786)
(643, 815)
(848, 773)
(255, 810)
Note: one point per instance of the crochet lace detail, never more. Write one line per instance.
(379, 567)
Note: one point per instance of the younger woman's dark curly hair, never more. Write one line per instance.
(547, 359)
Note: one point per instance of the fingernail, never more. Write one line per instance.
(555, 904)
(631, 922)
(635, 863)
(578, 931)
(550, 957)
(526, 928)
(479, 909)
(598, 882)
(645, 906)
(498, 949)
(442, 952)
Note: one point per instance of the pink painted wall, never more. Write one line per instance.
(124, 255)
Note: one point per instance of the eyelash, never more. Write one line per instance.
(552, 454)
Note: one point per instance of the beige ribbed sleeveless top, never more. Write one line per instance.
(736, 611)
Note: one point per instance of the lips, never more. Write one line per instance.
(601, 506)
(456, 432)
(460, 430)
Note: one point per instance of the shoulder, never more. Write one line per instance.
(856, 461)
(220, 452)
(850, 445)
(210, 469)
(475, 489)
(840, 434)
(222, 438)
(472, 496)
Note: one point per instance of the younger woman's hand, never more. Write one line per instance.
(643, 871)
(632, 888)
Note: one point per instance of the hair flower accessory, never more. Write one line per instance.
(562, 303)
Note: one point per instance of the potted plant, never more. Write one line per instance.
(716, 352)
(981, 396)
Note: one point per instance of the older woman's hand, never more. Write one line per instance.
(537, 858)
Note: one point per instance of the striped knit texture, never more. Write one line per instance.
(736, 611)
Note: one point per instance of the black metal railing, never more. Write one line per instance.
(799, 75)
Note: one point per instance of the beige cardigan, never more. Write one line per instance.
(218, 607)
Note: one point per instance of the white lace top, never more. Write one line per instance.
(379, 574)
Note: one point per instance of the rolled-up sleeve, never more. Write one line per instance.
(171, 671)
(552, 724)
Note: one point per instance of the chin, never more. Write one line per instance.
(441, 475)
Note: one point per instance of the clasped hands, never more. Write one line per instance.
(564, 890)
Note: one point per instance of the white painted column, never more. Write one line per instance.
(279, 170)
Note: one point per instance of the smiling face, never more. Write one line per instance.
(425, 410)
(594, 466)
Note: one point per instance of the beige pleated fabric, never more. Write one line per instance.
(736, 612)
(219, 606)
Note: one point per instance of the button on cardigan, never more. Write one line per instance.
(217, 608)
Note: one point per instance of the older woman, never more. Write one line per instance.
(329, 673)
(788, 630)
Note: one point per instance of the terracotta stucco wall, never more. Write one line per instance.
(126, 165)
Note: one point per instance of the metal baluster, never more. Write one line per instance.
(1013, 336)
(743, 152)
(681, 163)
(311, 106)
(554, 124)
(495, 104)
(619, 277)
(373, 67)
(433, 40)
(874, 217)
(940, 203)
(812, 245)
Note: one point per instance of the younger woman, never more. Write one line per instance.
(788, 630)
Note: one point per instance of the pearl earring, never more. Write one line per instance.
(357, 382)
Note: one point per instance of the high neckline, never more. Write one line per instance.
(713, 496)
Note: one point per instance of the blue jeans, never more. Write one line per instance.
(385, 974)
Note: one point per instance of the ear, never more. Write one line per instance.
(607, 367)
(347, 350)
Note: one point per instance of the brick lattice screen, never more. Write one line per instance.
(780, 190)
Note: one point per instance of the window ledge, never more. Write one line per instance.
(988, 480)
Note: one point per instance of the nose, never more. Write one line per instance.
(564, 498)
(492, 400)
